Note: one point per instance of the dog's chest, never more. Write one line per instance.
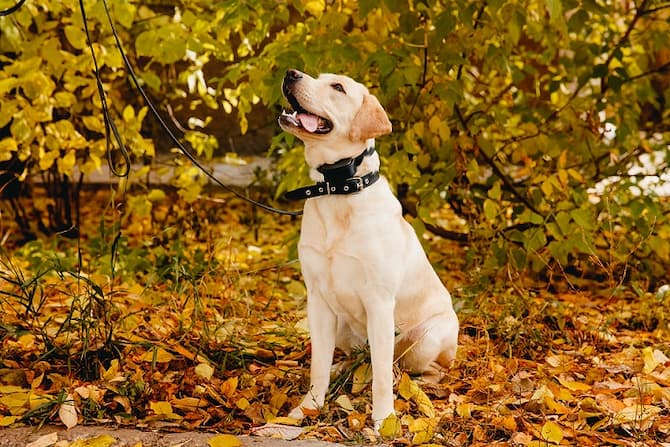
(345, 245)
(329, 227)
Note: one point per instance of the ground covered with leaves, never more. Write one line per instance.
(165, 315)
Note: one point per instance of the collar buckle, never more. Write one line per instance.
(339, 178)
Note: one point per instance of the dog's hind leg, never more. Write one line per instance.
(432, 343)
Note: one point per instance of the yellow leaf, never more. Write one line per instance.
(636, 414)
(66, 163)
(573, 385)
(224, 441)
(6, 421)
(158, 355)
(36, 400)
(161, 407)
(67, 412)
(464, 409)
(409, 390)
(16, 402)
(129, 114)
(315, 7)
(509, 423)
(229, 386)
(7, 146)
(390, 427)
(242, 403)
(27, 341)
(98, 441)
(112, 374)
(9, 389)
(652, 358)
(344, 402)
(424, 404)
(422, 429)
(362, 377)
(406, 387)
(283, 420)
(190, 403)
(552, 432)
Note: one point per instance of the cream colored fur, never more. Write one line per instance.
(367, 276)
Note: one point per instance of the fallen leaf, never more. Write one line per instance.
(344, 402)
(272, 430)
(652, 358)
(423, 429)
(6, 421)
(362, 378)
(242, 403)
(572, 385)
(67, 413)
(204, 370)
(161, 407)
(390, 427)
(284, 420)
(356, 421)
(552, 432)
(636, 414)
(44, 441)
(158, 355)
(98, 441)
(224, 441)
(410, 390)
(189, 403)
(229, 386)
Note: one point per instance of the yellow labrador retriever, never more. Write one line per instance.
(367, 276)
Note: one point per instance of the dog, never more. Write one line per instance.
(367, 276)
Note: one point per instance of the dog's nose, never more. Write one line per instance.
(292, 76)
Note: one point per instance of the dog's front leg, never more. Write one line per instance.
(323, 331)
(381, 334)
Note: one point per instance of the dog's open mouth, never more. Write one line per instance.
(297, 116)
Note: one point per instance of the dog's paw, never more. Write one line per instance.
(297, 414)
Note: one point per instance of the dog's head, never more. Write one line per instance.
(331, 108)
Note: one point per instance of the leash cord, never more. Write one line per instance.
(109, 123)
(15, 7)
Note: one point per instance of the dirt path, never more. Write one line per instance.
(53, 436)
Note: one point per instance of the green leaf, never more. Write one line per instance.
(583, 218)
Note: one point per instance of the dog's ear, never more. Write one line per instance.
(371, 120)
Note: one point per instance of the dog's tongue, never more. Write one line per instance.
(309, 122)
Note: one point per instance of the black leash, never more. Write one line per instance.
(13, 8)
(109, 122)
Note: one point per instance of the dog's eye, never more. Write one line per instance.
(339, 88)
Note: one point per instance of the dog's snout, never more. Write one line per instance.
(292, 76)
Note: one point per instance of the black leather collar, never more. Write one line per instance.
(339, 178)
